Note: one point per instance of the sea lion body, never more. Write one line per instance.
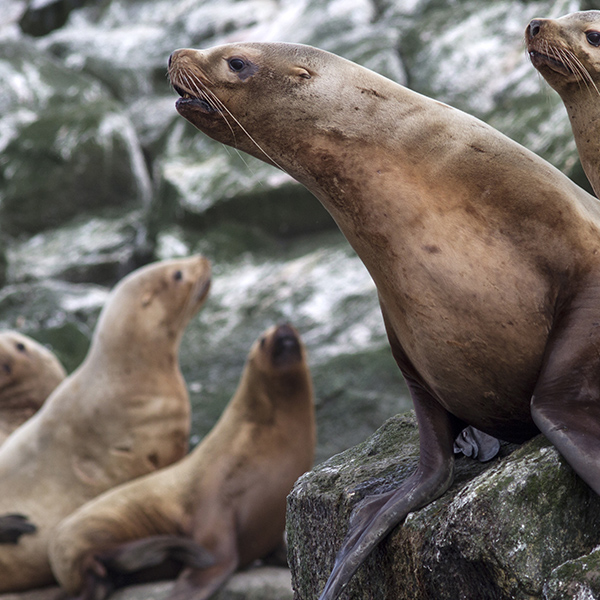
(123, 413)
(485, 257)
(228, 495)
(566, 52)
(29, 372)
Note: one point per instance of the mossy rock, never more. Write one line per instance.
(497, 534)
(68, 161)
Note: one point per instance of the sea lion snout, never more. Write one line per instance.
(286, 345)
(534, 27)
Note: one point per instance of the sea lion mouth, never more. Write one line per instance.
(539, 59)
(189, 100)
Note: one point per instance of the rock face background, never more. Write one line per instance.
(98, 175)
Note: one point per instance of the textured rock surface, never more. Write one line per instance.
(498, 533)
(261, 583)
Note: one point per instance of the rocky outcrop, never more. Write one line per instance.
(506, 530)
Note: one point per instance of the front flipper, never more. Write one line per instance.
(375, 516)
(12, 527)
(476, 444)
(566, 401)
(133, 562)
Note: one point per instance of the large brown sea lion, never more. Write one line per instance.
(228, 495)
(485, 257)
(29, 372)
(566, 52)
(123, 413)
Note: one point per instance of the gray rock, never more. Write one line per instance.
(258, 583)
(498, 533)
(577, 579)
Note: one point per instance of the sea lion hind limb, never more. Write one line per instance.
(155, 550)
(110, 569)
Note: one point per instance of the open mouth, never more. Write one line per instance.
(188, 100)
(538, 59)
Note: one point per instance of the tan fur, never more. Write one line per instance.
(228, 494)
(123, 413)
(467, 235)
(560, 51)
(29, 372)
(485, 257)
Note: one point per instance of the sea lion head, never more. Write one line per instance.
(153, 305)
(29, 372)
(566, 51)
(278, 349)
(276, 374)
(253, 95)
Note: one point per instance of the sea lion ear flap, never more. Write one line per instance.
(300, 72)
(147, 299)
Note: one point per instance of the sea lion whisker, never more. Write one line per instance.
(214, 99)
(586, 75)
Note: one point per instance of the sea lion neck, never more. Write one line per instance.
(566, 52)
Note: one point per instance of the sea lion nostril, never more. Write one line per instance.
(534, 27)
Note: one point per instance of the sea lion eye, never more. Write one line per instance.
(593, 37)
(20, 347)
(178, 276)
(236, 64)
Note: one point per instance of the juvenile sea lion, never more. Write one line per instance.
(123, 413)
(228, 495)
(566, 52)
(29, 372)
(485, 257)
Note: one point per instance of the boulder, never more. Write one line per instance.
(499, 532)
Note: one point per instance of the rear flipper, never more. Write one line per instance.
(475, 444)
(142, 560)
(13, 526)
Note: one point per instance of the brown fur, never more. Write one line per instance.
(123, 413)
(29, 372)
(570, 63)
(228, 495)
(485, 257)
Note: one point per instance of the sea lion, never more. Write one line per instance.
(486, 258)
(123, 413)
(228, 495)
(566, 52)
(29, 372)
